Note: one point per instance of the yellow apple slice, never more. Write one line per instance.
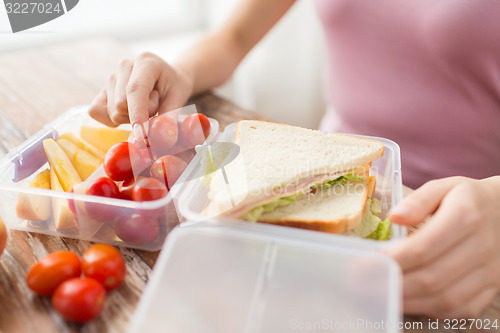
(61, 164)
(82, 144)
(103, 137)
(63, 217)
(35, 207)
(84, 162)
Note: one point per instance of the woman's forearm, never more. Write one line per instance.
(212, 60)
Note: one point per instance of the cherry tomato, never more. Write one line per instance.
(121, 160)
(3, 236)
(146, 160)
(149, 189)
(127, 188)
(194, 130)
(103, 187)
(186, 154)
(79, 299)
(163, 133)
(138, 229)
(48, 273)
(168, 169)
(104, 264)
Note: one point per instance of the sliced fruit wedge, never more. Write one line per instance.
(35, 207)
(61, 164)
(103, 137)
(63, 218)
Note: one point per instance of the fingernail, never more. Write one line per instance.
(400, 210)
(138, 132)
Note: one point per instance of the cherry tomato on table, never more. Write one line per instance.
(163, 133)
(105, 264)
(194, 130)
(121, 160)
(168, 169)
(79, 299)
(48, 273)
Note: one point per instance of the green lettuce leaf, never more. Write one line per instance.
(255, 214)
(382, 232)
(370, 220)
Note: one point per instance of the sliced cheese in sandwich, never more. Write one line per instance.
(281, 161)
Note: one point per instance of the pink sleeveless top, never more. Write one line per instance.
(424, 73)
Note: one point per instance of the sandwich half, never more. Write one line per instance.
(278, 163)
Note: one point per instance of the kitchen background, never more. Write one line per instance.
(281, 78)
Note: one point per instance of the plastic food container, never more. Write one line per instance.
(219, 277)
(224, 276)
(21, 165)
(191, 196)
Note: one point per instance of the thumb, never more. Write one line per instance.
(422, 202)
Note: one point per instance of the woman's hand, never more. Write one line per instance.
(140, 89)
(451, 265)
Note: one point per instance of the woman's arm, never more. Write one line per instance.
(147, 85)
(212, 60)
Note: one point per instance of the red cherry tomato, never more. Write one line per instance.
(103, 187)
(138, 229)
(149, 189)
(48, 273)
(145, 162)
(121, 160)
(186, 154)
(168, 169)
(163, 133)
(194, 130)
(79, 299)
(127, 188)
(104, 264)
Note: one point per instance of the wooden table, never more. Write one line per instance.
(35, 87)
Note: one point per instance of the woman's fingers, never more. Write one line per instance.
(120, 92)
(473, 308)
(445, 270)
(99, 110)
(138, 90)
(422, 202)
(143, 80)
(174, 100)
(113, 114)
(454, 297)
(443, 231)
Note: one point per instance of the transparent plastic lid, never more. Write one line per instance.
(214, 277)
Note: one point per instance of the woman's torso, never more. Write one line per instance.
(425, 74)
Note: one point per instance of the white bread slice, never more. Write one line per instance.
(335, 210)
(275, 155)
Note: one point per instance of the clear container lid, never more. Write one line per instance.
(215, 277)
